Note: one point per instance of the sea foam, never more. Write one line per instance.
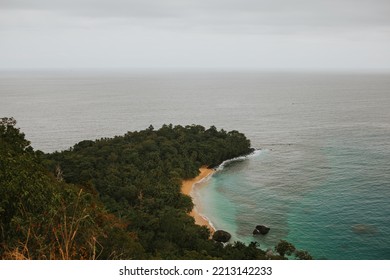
(255, 153)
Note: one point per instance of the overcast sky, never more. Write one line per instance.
(228, 34)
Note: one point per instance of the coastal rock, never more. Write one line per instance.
(221, 236)
(261, 229)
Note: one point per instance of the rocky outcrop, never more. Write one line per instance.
(221, 236)
(261, 229)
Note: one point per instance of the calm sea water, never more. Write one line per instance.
(320, 181)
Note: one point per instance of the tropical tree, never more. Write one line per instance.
(284, 248)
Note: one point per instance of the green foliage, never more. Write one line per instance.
(284, 248)
(138, 177)
(41, 217)
(11, 138)
(239, 251)
(113, 198)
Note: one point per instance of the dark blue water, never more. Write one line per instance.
(320, 181)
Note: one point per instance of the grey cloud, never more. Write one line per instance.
(195, 33)
(209, 12)
(103, 8)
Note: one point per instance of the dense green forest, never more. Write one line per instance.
(114, 198)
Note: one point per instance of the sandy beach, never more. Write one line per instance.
(187, 188)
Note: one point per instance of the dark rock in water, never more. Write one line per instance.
(261, 229)
(221, 236)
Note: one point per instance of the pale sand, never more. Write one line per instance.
(187, 188)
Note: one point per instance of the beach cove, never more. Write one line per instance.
(187, 188)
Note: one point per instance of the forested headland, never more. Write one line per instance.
(114, 198)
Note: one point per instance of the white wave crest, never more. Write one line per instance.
(240, 158)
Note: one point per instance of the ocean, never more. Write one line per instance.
(321, 176)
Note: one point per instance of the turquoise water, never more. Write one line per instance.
(331, 200)
(321, 179)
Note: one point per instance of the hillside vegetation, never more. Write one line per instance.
(113, 198)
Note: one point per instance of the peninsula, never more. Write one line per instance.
(113, 198)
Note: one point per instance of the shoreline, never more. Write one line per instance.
(186, 188)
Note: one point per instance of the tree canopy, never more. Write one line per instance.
(112, 198)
